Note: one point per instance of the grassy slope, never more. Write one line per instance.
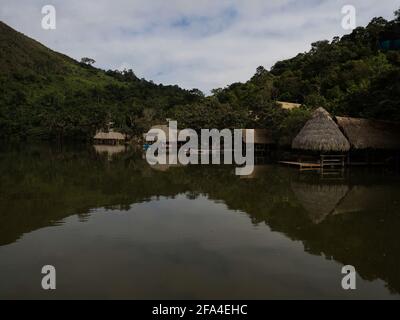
(48, 94)
(39, 69)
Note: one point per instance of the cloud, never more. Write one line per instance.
(205, 44)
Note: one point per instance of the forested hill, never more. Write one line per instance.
(356, 75)
(49, 95)
(46, 94)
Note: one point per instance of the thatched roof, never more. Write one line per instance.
(321, 133)
(319, 200)
(370, 134)
(288, 105)
(112, 135)
(261, 136)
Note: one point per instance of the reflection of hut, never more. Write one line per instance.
(109, 150)
(163, 167)
(262, 139)
(259, 171)
(321, 134)
(357, 199)
(319, 200)
(372, 198)
(109, 138)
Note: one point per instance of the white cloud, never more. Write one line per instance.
(203, 44)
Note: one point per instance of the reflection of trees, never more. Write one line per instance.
(358, 222)
(361, 229)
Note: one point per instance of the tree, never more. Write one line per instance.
(261, 71)
(197, 92)
(87, 61)
(397, 15)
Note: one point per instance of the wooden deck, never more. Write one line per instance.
(302, 165)
(327, 161)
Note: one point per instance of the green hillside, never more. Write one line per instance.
(48, 95)
(350, 75)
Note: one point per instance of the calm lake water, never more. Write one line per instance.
(115, 227)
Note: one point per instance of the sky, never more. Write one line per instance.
(195, 44)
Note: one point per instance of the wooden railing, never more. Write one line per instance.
(333, 160)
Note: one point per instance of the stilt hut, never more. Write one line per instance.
(321, 136)
(109, 138)
(372, 141)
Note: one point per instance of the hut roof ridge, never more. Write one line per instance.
(321, 133)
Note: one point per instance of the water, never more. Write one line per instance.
(114, 227)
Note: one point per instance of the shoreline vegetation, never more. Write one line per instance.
(49, 96)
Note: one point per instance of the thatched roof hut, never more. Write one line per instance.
(261, 136)
(111, 137)
(321, 133)
(370, 134)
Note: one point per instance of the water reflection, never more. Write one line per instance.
(352, 221)
(110, 150)
(319, 200)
